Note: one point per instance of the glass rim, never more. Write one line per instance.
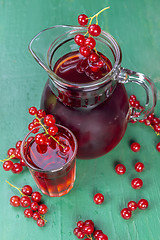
(63, 83)
(55, 170)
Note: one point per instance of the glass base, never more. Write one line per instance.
(58, 194)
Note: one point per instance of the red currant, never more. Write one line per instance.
(8, 165)
(135, 147)
(96, 233)
(126, 213)
(75, 231)
(28, 213)
(139, 167)
(80, 224)
(25, 201)
(18, 144)
(100, 63)
(136, 183)
(102, 236)
(158, 147)
(157, 127)
(132, 102)
(143, 204)
(155, 120)
(133, 97)
(88, 229)
(41, 139)
(32, 110)
(40, 222)
(79, 39)
(30, 139)
(49, 120)
(147, 122)
(151, 116)
(11, 152)
(132, 205)
(36, 197)
(93, 58)
(136, 104)
(120, 169)
(53, 130)
(36, 216)
(85, 51)
(17, 168)
(22, 162)
(17, 153)
(27, 190)
(89, 222)
(82, 19)
(43, 209)
(15, 201)
(94, 30)
(34, 206)
(90, 42)
(41, 113)
(98, 198)
(80, 234)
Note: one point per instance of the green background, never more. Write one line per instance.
(136, 27)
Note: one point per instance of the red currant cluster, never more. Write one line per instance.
(87, 45)
(126, 213)
(32, 200)
(85, 229)
(14, 153)
(48, 124)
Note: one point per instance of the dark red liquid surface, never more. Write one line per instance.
(74, 68)
(60, 175)
(98, 128)
(50, 157)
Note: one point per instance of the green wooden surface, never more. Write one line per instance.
(136, 26)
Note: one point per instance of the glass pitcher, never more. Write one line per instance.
(96, 112)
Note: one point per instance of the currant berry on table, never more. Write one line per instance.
(120, 169)
(139, 167)
(135, 147)
(132, 205)
(98, 198)
(142, 204)
(136, 183)
(126, 213)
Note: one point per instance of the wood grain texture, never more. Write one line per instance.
(136, 26)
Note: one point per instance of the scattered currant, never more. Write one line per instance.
(135, 147)
(32, 110)
(17, 168)
(80, 224)
(158, 147)
(132, 205)
(136, 183)
(96, 233)
(98, 198)
(126, 213)
(8, 165)
(36, 216)
(139, 167)
(102, 236)
(120, 169)
(142, 204)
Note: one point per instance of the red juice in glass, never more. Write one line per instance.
(52, 166)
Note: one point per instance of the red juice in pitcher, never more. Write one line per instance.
(98, 123)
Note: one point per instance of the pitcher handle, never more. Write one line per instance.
(126, 76)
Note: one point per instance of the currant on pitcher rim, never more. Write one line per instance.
(53, 170)
(81, 102)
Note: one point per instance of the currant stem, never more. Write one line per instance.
(99, 12)
(43, 217)
(48, 133)
(15, 188)
(158, 134)
(89, 236)
(6, 159)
